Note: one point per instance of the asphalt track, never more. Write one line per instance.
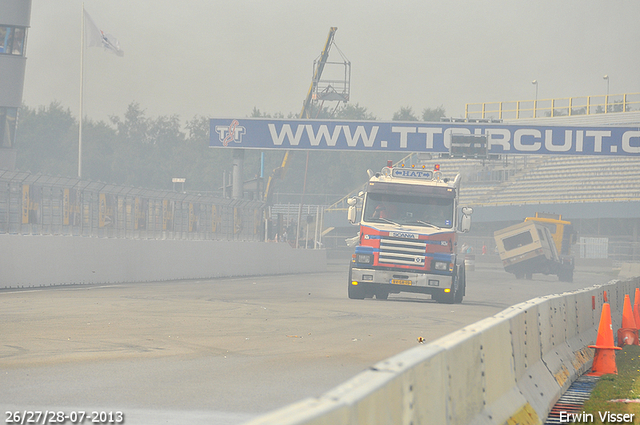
(222, 351)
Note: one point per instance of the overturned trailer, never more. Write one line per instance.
(529, 247)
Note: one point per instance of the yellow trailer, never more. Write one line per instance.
(530, 247)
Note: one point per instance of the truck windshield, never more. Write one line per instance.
(516, 241)
(409, 210)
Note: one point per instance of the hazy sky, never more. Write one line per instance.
(222, 58)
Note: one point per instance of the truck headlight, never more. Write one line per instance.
(364, 258)
(441, 265)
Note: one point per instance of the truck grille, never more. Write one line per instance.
(401, 251)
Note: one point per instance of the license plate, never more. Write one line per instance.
(400, 282)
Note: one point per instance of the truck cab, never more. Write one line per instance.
(540, 244)
(563, 233)
(409, 219)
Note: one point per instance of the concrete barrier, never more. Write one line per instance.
(628, 270)
(509, 368)
(53, 260)
(470, 262)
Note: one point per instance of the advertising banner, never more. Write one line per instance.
(106, 210)
(216, 219)
(66, 208)
(140, 207)
(70, 207)
(396, 136)
(194, 217)
(237, 220)
(31, 199)
(167, 214)
(25, 204)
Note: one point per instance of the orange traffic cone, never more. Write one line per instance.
(628, 333)
(636, 308)
(604, 359)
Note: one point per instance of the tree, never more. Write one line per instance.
(97, 150)
(257, 114)
(317, 111)
(433, 115)
(405, 114)
(354, 112)
(148, 152)
(133, 148)
(47, 140)
(201, 165)
(137, 150)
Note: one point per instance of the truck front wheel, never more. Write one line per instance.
(462, 285)
(446, 297)
(381, 294)
(456, 294)
(356, 292)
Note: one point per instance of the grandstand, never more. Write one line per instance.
(556, 179)
(600, 195)
(521, 180)
(546, 180)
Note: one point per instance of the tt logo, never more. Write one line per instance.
(231, 133)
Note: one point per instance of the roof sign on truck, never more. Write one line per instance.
(412, 174)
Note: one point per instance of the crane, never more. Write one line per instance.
(305, 113)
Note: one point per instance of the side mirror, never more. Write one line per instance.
(351, 214)
(352, 201)
(465, 223)
(465, 220)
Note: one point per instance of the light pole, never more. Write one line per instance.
(535, 103)
(606, 98)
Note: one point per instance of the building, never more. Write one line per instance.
(14, 24)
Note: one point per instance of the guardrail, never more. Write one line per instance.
(509, 368)
(34, 204)
(565, 106)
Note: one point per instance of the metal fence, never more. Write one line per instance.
(567, 106)
(594, 247)
(308, 234)
(34, 204)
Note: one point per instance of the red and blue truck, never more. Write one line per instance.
(409, 221)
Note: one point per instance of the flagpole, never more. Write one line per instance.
(81, 95)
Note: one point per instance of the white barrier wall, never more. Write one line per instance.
(509, 368)
(52, 260)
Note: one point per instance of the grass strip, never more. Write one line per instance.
(623, 386)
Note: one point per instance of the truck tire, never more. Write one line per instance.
(355, 292)
(462, 285)
(453, 297)
(445, 298)
(381, 294)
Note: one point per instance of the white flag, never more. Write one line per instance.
(96, 37)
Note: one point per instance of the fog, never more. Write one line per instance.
(221, 59)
